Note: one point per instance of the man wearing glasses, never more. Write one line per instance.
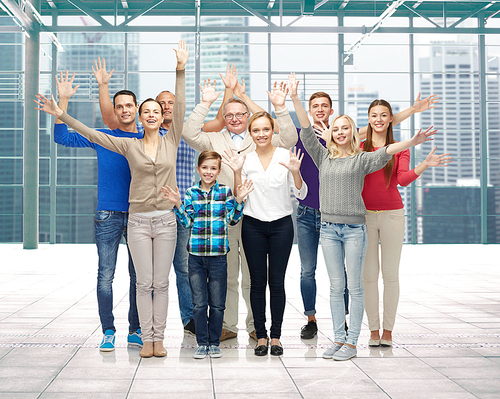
(233, 137)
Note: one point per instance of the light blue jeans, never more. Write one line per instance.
(345, 243)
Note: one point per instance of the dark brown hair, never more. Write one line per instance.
(147, 101)
(320, 94)
(389, 139)
(209, 155)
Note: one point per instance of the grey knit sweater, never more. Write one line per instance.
(341, 179)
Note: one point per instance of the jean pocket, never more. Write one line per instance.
(301, 211)
(355, 226)
(102, 216)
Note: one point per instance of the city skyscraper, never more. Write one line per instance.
(457, 119)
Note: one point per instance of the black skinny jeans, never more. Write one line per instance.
(267, 248)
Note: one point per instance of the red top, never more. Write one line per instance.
(375, 194)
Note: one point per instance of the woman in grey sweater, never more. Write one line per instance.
(342, 169)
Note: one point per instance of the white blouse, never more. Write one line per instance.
(270, 200)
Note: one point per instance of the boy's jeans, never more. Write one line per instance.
(208, 280)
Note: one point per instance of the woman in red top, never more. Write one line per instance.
(385, 220)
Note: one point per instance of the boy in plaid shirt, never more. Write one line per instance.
(209, 207)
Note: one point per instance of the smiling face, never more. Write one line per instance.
(342, 133)
(320, 110)
(233, 124)
(125, 109)
(261, 131)
(209, 169)
(166, 99)
(151, 115)
(379, 118)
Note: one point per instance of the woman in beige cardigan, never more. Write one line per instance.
(151, 225)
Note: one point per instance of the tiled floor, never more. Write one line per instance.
(446, 340)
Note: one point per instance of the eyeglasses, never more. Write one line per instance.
(239, 115)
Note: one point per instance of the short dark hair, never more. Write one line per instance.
(147, 100)
(319, 94)
(124, 93)
(209, 155)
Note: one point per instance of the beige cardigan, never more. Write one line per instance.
(220, 141)
(148, 176)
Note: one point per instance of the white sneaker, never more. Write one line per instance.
(328, 354)
(345, 353)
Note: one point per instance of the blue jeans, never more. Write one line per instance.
(208, 279)
(110, 227)
(347, 242)
(181, 274)
(308, 228)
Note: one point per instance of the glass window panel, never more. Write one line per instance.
(12, 228)
(493, 223)
(80, 200)
(14, 53)
(43, 229)
(44, 200)
(11, 171)
(461, 229)
(75, 229)
(76, 172)
(81, 57)
(435, 201)
(11, 200)
(302, 54)
(11, 139)
(44, 171)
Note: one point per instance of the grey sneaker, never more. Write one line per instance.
(201, 352)
(328, 354)
(345, 353)
(214, 351)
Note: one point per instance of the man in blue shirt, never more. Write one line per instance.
(112, 206)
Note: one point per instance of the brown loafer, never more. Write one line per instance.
(159, 349)
(226, 334)
(253, 335)
(147, 349)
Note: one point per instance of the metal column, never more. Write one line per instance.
(341, 79)
(413, 190)
(30, 140)
(53, 148)
(483, 138)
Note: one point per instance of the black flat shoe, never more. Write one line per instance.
(260, 350)
(276, 350)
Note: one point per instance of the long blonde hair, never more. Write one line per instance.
(332, 146)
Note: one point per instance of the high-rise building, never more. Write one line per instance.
(216, 51)
(457, 119)
(77, 166)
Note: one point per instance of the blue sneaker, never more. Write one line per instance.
(135, 338)
(201, 352)
(214, 351)
(108, 342)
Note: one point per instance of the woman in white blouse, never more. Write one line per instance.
(267, 229)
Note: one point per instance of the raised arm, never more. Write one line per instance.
(287, 136)
(116, 144)
(192, 132)
(297, 104)
(419, 138)
(230, 81)
(179, 109)
(66, 90)
(418, 106)
(105, 104)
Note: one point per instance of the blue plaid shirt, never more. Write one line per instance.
(185, 163)
(209, 214)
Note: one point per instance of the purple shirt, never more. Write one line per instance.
(310, 174)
